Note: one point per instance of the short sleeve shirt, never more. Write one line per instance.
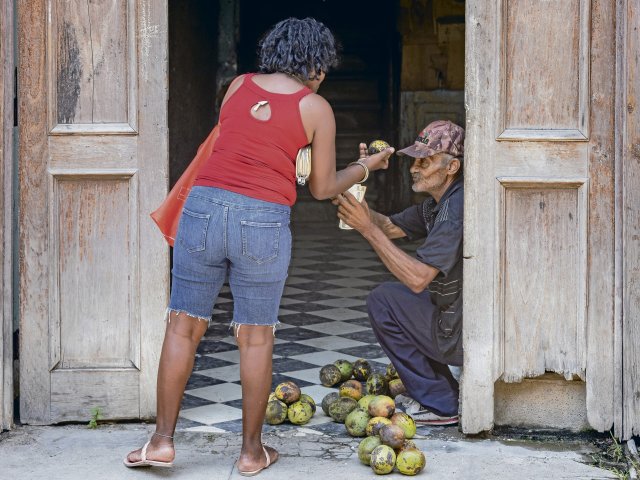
(440, 224)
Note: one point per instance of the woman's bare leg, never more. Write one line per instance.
(255, 343)
(181, 339)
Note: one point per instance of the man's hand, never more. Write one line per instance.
(353, 213)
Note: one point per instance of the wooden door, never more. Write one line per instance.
(539, 205)
(6, 212)
(92, 165)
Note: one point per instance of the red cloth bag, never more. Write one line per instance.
(167, 215)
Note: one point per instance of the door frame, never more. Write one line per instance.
(7, 89)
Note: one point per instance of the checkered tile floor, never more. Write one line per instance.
(323, 318)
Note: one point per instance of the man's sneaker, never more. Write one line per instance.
(427, 417)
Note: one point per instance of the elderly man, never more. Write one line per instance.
(418, 320)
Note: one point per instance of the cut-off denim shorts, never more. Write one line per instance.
(223, 235)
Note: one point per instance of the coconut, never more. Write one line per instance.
(392, 435)
(361, 369)
(405, 422)
(382, 406)
(299, 413)
(351, 388)
(307, 398)
(396, 387)
(341, 408)
(328, 399)
(366, 447)
(375, 424)
(288, 392)
(376, 384)
(276, 412)
(330, 375)
(410, 461)
(383, 459)
(364, 402)
(345, 367)
(356, 422)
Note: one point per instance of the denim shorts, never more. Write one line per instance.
(223, 235)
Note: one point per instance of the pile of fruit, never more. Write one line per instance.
(369, 411)
(287, 402)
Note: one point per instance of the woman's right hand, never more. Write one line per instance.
(378, 161)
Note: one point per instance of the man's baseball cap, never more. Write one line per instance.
(439, 136)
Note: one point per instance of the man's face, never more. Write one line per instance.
(429, 174)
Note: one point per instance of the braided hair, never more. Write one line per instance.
(302, 48)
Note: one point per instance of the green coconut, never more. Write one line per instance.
(366, 447)
(356, 422)
(345, 367)
(299, 413)
(383, 459)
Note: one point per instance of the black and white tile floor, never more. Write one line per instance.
(323, 318)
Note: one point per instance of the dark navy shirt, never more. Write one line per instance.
(441, 226)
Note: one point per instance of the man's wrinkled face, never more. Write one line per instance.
(429, 174)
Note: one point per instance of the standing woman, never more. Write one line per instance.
(235, 223)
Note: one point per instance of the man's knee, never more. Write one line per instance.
(378, 299)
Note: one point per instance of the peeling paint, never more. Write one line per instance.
(69, 74)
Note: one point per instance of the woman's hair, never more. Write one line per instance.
(302, 48)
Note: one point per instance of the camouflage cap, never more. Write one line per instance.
(439, 136)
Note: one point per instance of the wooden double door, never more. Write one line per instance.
(548, 266)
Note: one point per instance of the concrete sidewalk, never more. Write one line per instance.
(75, 452)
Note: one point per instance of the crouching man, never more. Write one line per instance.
(418, 320)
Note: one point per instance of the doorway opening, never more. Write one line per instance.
(402, 66)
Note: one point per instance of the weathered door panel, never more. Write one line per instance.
(539, 205)
(6, 213)
(628, 416)
(93, 164)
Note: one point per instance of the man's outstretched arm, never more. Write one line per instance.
(410, 271)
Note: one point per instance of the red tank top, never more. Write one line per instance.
(254, 157)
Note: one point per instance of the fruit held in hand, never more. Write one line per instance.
(377, 146)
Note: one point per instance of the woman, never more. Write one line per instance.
(235, 223)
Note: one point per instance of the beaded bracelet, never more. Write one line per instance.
(363, 165)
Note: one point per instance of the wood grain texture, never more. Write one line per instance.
(153, 168)
(545, 77)
(85, 198)
(600, 313)
(630, 116)
(34, 264)
(477, 386)
(75, 393)
(543, 267)
(7, 84)
(93, 247)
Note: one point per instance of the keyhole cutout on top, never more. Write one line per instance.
(261, 110)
